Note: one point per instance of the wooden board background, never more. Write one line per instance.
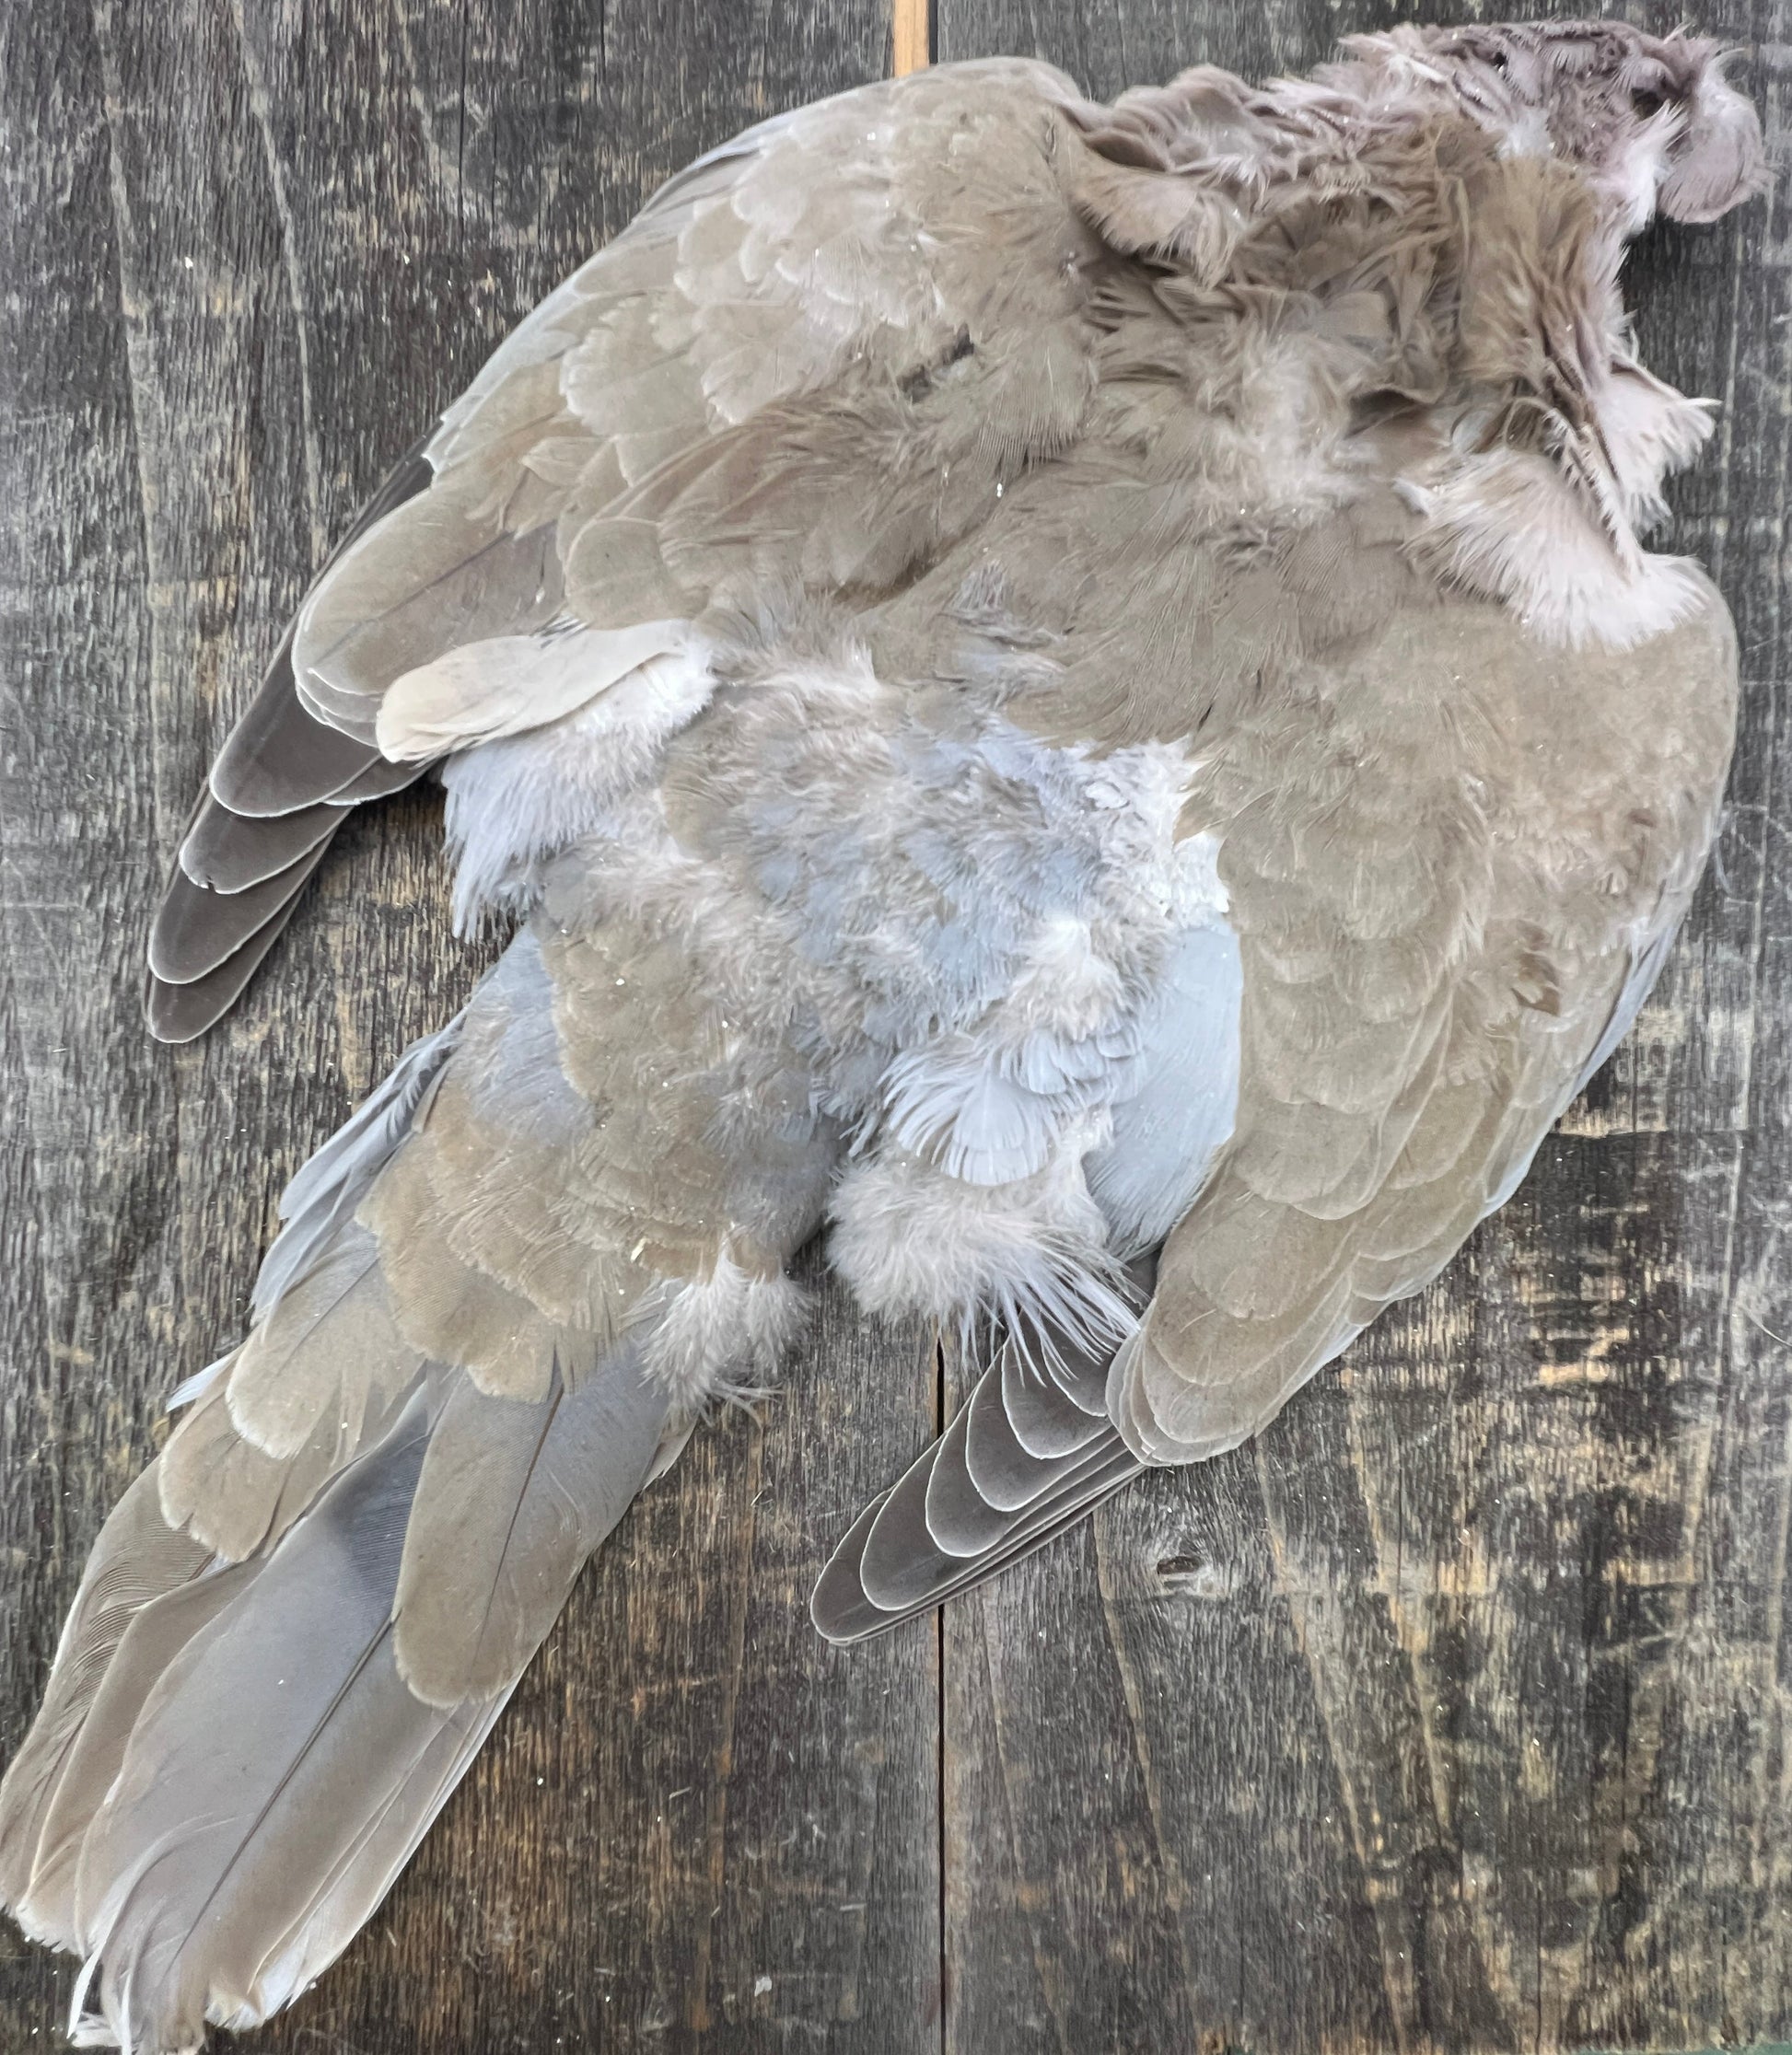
(1452, 1715)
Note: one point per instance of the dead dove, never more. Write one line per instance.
(1068, 693)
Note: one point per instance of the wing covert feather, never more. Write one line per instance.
(1423, 996)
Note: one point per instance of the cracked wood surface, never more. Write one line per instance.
(1449, 1716)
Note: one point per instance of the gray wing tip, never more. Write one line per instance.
(231, 853)
(181, 1013)
(280, 787)
(197, 930)
(204, 946)
(839, 1607)
(969, 1505)
(172, 1015)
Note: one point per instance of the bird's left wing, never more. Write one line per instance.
(1424, 995)
(1454, 854)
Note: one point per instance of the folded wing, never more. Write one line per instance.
(743, 393)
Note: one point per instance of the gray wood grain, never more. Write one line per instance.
(1450, 1716)
(1454, 1714)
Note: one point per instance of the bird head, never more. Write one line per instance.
(1652, 118)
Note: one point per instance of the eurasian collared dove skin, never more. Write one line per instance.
(1069, 695)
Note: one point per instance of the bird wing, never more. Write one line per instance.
(1434, 963)
(1457, 741)
(743, 392)
(281, 786)
(1453, 855)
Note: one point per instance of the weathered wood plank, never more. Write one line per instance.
(1454, 1714)
(249, 248)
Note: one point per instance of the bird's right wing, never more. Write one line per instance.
(1028, 1454)
(796, 369)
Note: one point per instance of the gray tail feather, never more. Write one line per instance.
(137, 1577)
(231, 1768)
(236, 1753)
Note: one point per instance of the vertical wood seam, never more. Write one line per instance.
(941, 1785)
(1396, 1987)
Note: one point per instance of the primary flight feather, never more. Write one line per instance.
(1070, 693)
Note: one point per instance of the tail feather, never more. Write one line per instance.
(300, 1623)
(370, 1860)
(137, 1560)
(228, 1802)
(153, 1639)
(267, 1734)
(476, 1594)
(230, 1493)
